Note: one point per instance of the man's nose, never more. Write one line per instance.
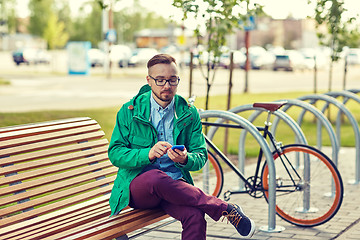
(167, 84)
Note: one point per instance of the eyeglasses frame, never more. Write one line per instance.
(166, 81)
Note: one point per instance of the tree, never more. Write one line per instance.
(64, 13)
(128, 21)
(216, 20)
(54, 33)
(87, 27)
(8, 15)
(330, 12)
(40, 12)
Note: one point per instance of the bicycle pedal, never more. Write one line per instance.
(227, 195)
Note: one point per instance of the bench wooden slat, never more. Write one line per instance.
(58, 177)
(112, 232)
(122, 224)
(32, 147)
(52, 152)
(57, 224)
(114, 229)
(59, 195)
(46, 188)
(61, 163)
(47, 136)
(37, 130)
(56, 216)
(71, 224)
(54, 206)
(63, 158)
(42, 124)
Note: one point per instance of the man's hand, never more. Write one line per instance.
(158, 150)
(177, 155)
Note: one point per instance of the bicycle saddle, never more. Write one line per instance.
(270, 106)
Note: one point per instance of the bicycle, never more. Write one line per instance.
(299, 193)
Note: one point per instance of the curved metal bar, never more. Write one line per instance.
(350, 117)
(347, 96)
(354, 90)
(279, 114)
(267, 153)
(299, 135)
(321, 118)
(330, 97)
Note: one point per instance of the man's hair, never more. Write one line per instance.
(160, 58)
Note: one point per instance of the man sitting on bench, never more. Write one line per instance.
(152, 174)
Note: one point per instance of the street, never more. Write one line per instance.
(46, 87)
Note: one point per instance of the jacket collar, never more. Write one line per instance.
(141, 103)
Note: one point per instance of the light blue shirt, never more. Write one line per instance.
(163, 121)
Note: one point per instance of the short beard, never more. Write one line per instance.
(162, 99)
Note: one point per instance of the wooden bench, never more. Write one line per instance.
(55, 183)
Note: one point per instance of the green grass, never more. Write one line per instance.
(4, 82)
(106, 118)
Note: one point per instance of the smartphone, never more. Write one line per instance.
(180, 147)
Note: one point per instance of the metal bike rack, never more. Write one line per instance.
(353, 90)
(300, 137)
(268, 155)
(280, 114)
(321, 118)
(346, 95)
(330, 98)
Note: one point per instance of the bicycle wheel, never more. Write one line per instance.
(305, 199)
(210, 178)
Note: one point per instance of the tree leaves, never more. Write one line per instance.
(55, 34)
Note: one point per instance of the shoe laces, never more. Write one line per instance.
(233, 217)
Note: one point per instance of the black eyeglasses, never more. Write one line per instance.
(173, 81)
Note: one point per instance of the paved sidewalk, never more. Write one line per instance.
(345, 225)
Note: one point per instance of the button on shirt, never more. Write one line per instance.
(163, 121)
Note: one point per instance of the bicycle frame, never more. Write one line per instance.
(252, 188)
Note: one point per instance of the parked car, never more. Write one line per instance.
(283, 61)
(96, 57)
(238, 59)
(259, 58)
(290, 61)
(120, 55)
(353, 56)
(141, 55)
(264, 60)
(31, 56)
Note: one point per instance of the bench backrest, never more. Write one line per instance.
(50, 166)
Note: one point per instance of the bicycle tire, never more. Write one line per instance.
(324, 178)
(214, 183)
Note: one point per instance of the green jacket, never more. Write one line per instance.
(134, 135)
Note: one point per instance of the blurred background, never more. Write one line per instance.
(122, 34)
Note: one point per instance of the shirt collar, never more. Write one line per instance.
(157, 107)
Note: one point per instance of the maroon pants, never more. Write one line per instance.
(182, 201)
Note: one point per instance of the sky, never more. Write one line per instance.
(278, 9)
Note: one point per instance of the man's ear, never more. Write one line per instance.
(148, 80)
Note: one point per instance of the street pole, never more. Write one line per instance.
(345, 72)
(228, 106)
(247, 62)
(191, 68)
(105, 29)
